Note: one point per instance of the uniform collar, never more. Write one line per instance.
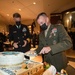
(18, 26)
(48, 28)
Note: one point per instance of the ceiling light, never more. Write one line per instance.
(34, 3)
(7, 14)
(67, 12)
(19, 9)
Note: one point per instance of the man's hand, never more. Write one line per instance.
(25, 43)
(15, 45)
(45, 50)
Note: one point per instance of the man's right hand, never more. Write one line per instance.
(15, 45)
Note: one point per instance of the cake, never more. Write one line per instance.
(11, 58)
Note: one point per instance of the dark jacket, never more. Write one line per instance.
(2, 39)
(18, 35)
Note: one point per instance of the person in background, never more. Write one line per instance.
(19, 35)
(2, 40)
(59, 22)
(4, 35)
(53, 41)
(34, 39)
(37, 37)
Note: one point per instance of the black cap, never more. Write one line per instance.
(16, 15)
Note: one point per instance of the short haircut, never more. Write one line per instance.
(41, 14)
(16, 15)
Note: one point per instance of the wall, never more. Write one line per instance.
(3, 25)
(69, 18)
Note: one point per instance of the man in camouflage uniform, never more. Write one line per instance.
(53, 41)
